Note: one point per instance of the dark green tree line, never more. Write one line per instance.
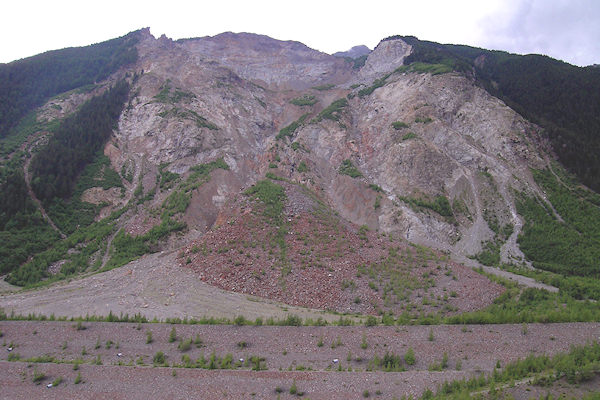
(56, 167)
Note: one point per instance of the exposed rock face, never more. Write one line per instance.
(268, 61)
(228, 96)
(387, 56)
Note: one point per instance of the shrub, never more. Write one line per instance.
(324, 87)
(409, 357)
(291, 128)
(293, 388)
(149, 337)
(172, 335)
(347, 168)
(38, 376)
(409, 135)
(302, 167)
(399, 125)
(333, 111)
(159, 358)
(305, 100)
(185, 345)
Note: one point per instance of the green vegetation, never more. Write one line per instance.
(578, 365)
(272, 196)
(172, 335)
(375, 187)
(302, 167)
(306, 100)
(90, 239)
(22, 229)
(38, 377)
(529, 305)
(571, 247)
(289, 130)
(170, 95)
(333, 111)
(390, 362)
(440, 204)
(418, 67)
(399, 125)
(377, 83)
(358, 62)
(347, 168)
(28, 83)
(127, 248)
(72, 214)
(159, 358)
(56, 167)
(166, 178)
(423, 120)
(190, 115)
(410, 135)
(425, 68)
(562, 98)
(324, 87)
(409, 357)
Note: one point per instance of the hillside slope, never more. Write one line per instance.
(399, 151)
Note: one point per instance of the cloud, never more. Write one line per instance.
(563, 29)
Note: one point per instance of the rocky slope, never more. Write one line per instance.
(229, 96)
(421, 155)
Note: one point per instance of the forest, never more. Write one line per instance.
(561, 98)
(28, 83)
(57, 166)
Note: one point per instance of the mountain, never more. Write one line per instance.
(354, 52)
(217, 145)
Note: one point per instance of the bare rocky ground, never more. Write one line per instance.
(153, 286)
(323, 262)
(290, 353)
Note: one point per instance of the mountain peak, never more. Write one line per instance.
(354, 52)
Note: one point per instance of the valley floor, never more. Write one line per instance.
(312, 357)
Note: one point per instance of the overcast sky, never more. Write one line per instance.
(565, 29)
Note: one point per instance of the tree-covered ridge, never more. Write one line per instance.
(26, 84)
(562, 98)
(56, 167)
(569, 245)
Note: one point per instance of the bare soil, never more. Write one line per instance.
(286, 351)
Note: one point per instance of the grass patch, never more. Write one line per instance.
(289, 130)
(409, 135)
(440, 204)
(347, 168)
(324, 87)
(333, 111)
(305, 100)
(397, 125)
